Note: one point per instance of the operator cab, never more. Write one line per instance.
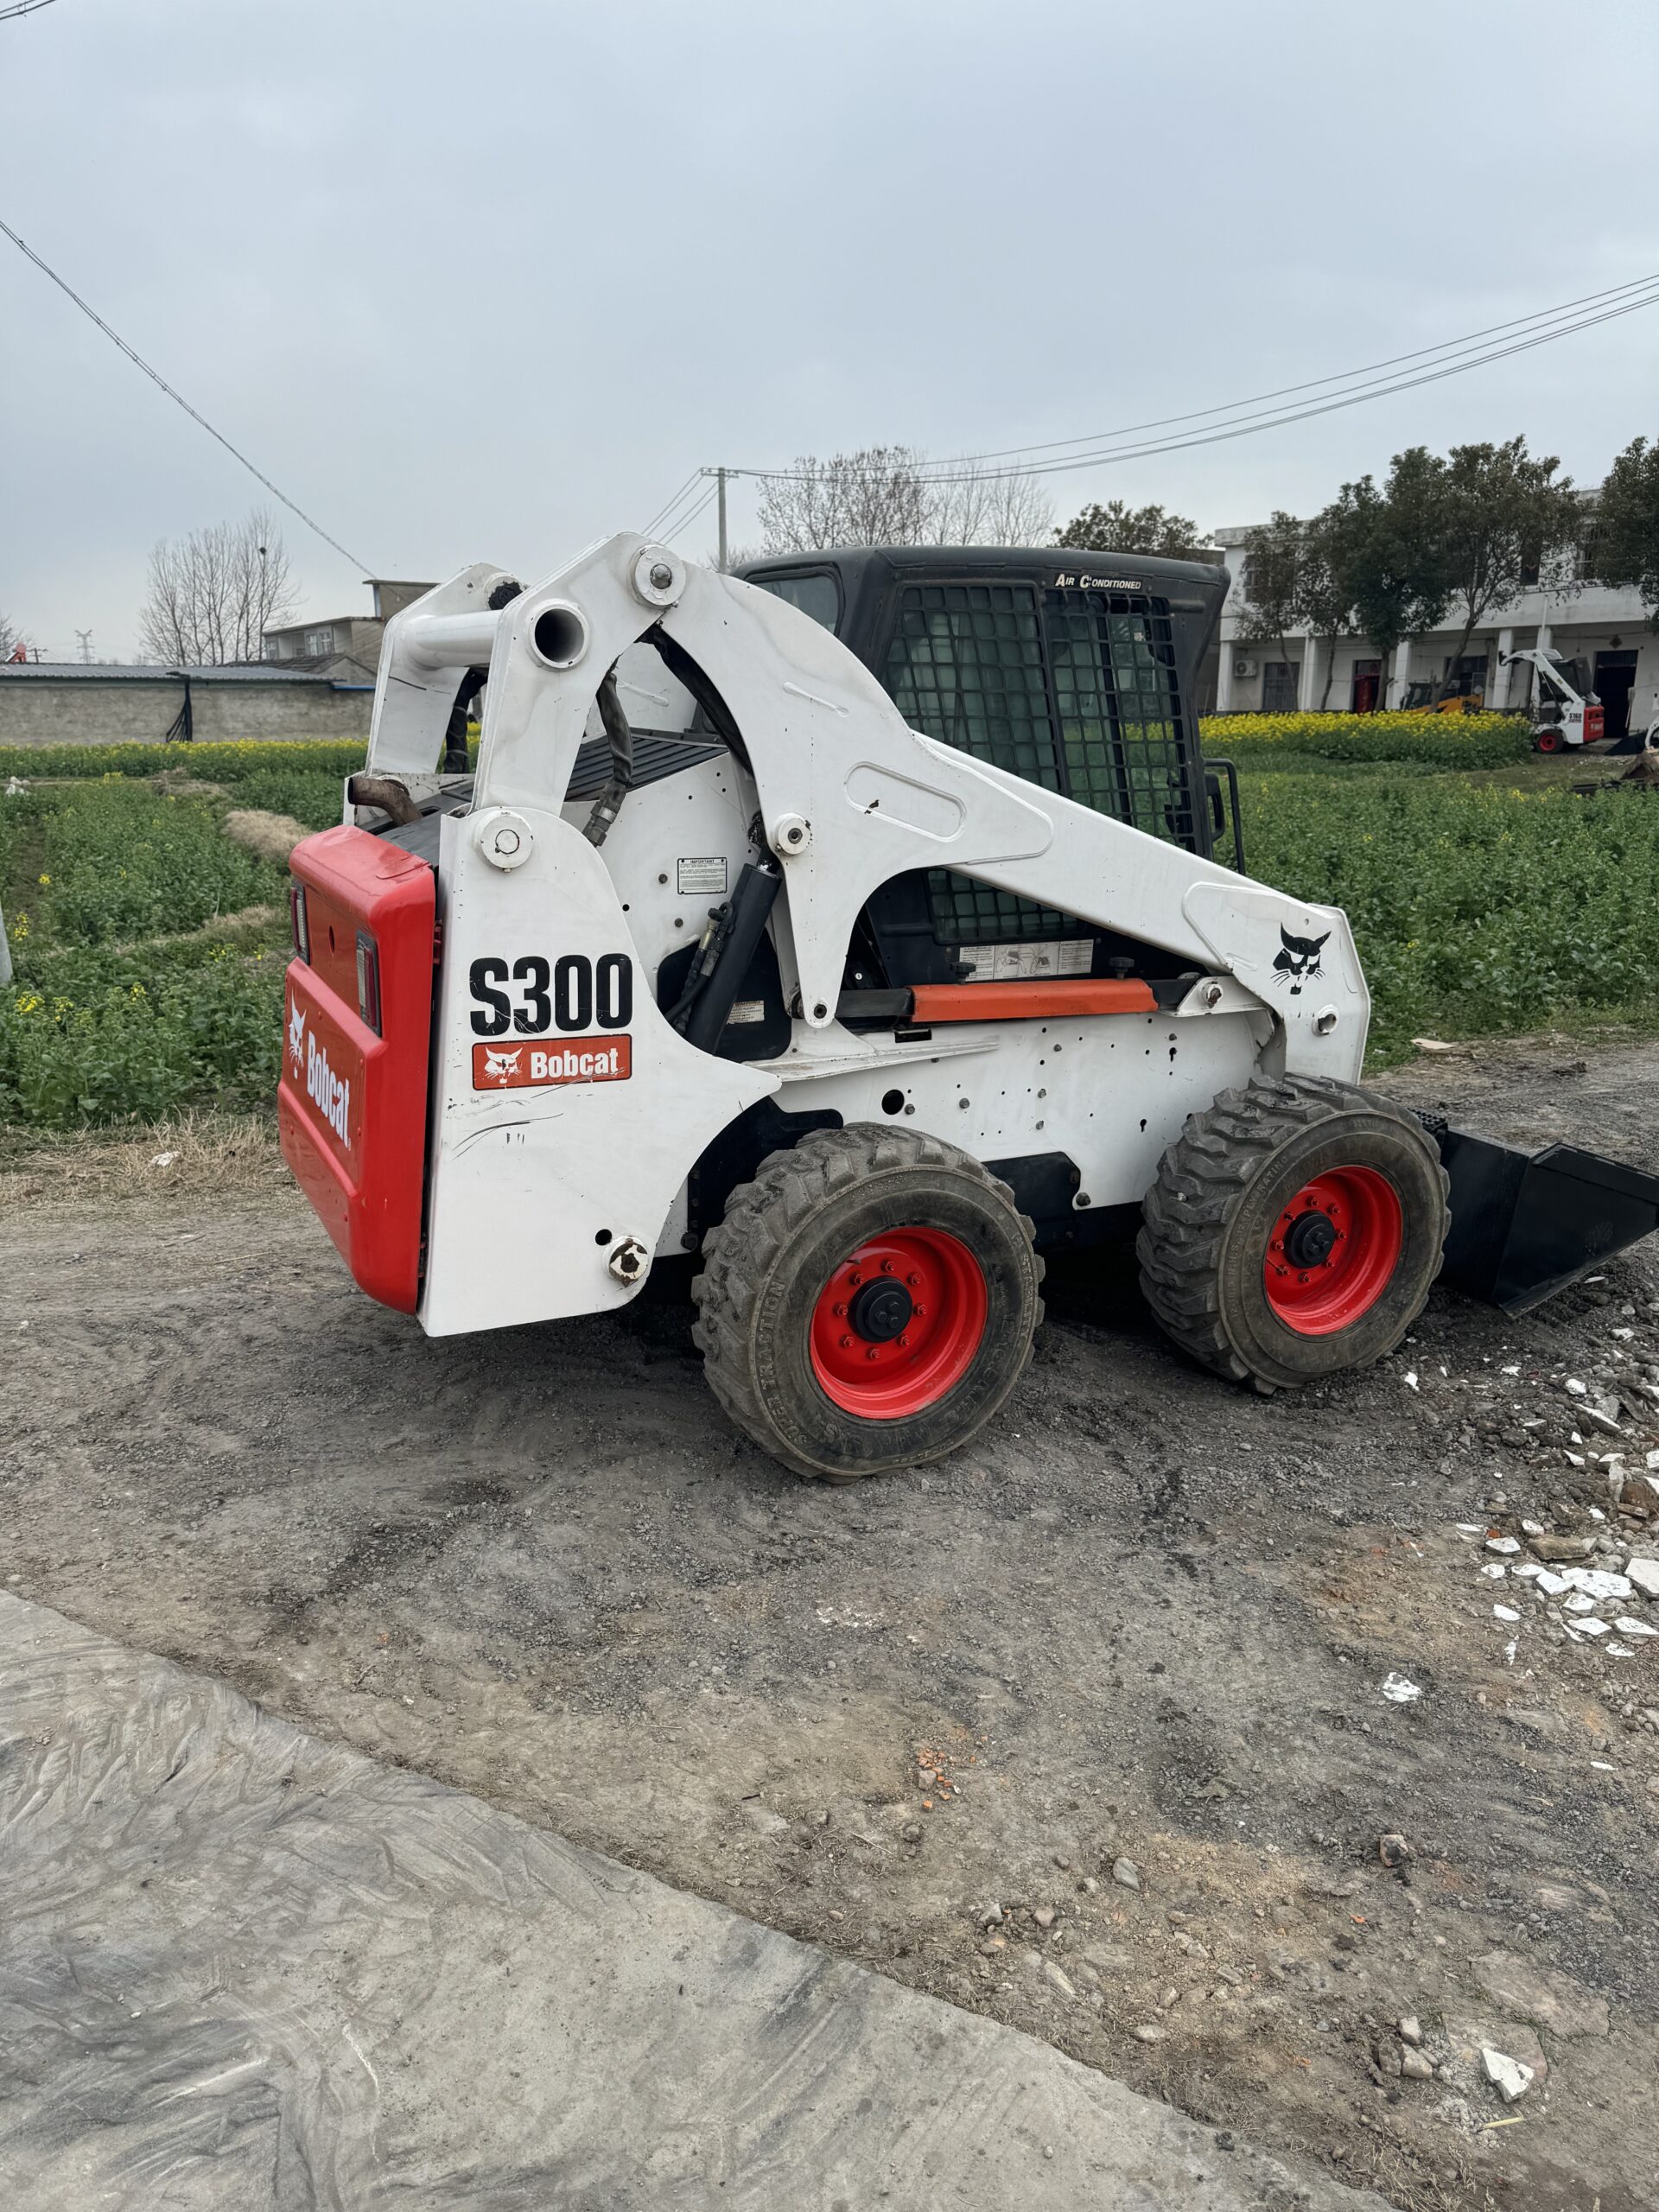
(1076, 670)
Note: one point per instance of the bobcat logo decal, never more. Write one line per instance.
(296, 1034)
(1298, 959)
(502, 1066)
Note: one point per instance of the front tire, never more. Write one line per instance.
(868, 1303)
(1293, 1230)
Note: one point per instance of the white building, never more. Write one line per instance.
(1608, 627)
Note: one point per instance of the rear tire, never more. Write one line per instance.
(1293, 1230)
(868, 1303)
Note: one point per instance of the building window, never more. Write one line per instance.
(318, 641)
(1281, 681)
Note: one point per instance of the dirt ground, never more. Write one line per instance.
(1115, 1675)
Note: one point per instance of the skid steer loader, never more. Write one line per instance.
(858, 926)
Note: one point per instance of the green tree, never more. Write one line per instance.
(1271, 582)
(1625, 544)
(1325, 592)
(1501, 518)
(1118, 528)
(1396, 568)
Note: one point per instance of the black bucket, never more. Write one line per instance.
(1526, 1224)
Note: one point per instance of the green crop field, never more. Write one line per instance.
(1486, 895)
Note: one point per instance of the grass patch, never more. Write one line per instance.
(149, 952)
(1440, 740)
(225, 763)
(1479, 909)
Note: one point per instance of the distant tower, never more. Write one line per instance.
(85, 636)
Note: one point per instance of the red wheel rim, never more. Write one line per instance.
(1333, 1250)
(897, 1326)
(1550, 742)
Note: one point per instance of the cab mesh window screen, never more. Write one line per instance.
(1072, 689)
(966, 666)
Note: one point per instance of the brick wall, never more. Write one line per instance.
(78, 711)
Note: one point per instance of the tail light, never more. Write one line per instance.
(368, 981)
(299, 921)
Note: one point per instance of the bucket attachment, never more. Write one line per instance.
(1526, 1224)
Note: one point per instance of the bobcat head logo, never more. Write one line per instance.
(296, 1034)
(1298, 959)
(501, 1067)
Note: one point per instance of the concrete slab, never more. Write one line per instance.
(241, 1968)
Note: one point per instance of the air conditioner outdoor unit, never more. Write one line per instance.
(1244, 665)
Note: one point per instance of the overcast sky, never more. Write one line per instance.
(487, 281)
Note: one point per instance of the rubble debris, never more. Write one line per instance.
(1126, 1873)
(1400, 1689)
(1415, 2066)
(1411, 2028)
(1503, 1543)
(1558, 1549)
(1392, 1849)
(1644, 1573)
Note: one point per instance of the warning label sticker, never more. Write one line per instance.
(696, 877)
(573, 1059)
(1018, 964)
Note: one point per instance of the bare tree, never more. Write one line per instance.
(13, 641)
(976, 508)
(213, 594)
(884, 495)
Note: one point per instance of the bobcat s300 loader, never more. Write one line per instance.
(856, 926)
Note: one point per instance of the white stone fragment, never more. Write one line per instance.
(1532, 1528)
(1645, 1573)
(1551, 1584)
(1507, 2075)
(1505, 1613)
(1575, 1386)
(1399, 1689)
(1590, 1626)
(1596, 1582)
(1503, 1543)
(1495, 1570)
(1627, 1624)
(1526, 1570)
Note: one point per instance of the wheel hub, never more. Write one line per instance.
(880, 1311)
(899, 1323)
(1333, 1250)
(1311, 1239)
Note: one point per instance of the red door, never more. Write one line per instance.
(1368, 677)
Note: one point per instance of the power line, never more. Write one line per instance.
(156, 377)
(1312, 383)
(669, 505)
(22, 7)
(690, 515)
(1235, 423)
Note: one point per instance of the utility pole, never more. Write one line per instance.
(85, 636)
(720, 483)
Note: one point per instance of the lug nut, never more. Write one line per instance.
(912, 1280)
(887, 1267)
(874, 1353)
(846, 1344)
(840, 1312)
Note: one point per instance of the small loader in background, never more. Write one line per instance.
(1565, 712)
(858, 926)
